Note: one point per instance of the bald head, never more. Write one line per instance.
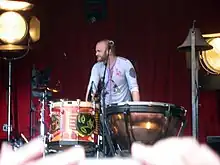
(102, 50)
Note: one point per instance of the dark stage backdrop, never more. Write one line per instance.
(146, 32)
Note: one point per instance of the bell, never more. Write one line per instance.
(200, 42)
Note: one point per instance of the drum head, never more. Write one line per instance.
(146, 122)
(70, 103)
(147, 107)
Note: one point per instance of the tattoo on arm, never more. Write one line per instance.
(132, 73)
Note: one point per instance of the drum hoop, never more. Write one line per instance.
(146, 103)
(70, 103)
(147, 107)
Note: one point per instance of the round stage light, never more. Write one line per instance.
(210, 60)
(13, 27)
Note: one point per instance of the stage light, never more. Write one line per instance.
(15, 5)
(210, 60)
(12, 31)
(17, 27)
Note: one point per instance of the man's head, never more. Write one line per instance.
(102, 50)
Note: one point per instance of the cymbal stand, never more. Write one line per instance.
(42, 117)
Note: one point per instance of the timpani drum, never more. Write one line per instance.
(146, 122)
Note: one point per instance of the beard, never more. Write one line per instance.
(102, 58)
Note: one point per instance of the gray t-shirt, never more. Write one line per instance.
(120, 80)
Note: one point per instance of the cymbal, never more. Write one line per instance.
(43, 88)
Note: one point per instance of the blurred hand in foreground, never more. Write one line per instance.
(175, 151)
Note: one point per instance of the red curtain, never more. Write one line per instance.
(146, 32)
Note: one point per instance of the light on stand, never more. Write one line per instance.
(12, 31)
(210, 60)
(194, 43)
(17, 31)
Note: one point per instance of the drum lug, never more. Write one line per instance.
(168, 112)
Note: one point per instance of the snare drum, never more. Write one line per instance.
(73, 123)
(146, 122)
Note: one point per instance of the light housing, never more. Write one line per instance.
(15, 5)
(17, 27)
(210, 59)
(13, 27)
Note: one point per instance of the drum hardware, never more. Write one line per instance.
(104, 125)
(18, 142)
(126, 113)
(97, 119)
(43, 101)
(108, 139)
(182, 127)
(40, 88)
(104, 138)
(183, 123)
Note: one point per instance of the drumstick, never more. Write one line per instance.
(24, 138)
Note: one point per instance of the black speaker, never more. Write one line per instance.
(96, 10)
(214, 143)
(209, 82)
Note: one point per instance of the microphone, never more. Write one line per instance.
(90, 91)
(110, 44)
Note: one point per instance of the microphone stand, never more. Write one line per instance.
(105, 130)
(103, 93)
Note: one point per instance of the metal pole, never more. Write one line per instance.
(9, 101)
(194, 85)
(42, 131)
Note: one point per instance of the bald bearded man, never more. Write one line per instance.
(120, 82)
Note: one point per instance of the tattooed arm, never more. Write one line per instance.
(132, 81)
